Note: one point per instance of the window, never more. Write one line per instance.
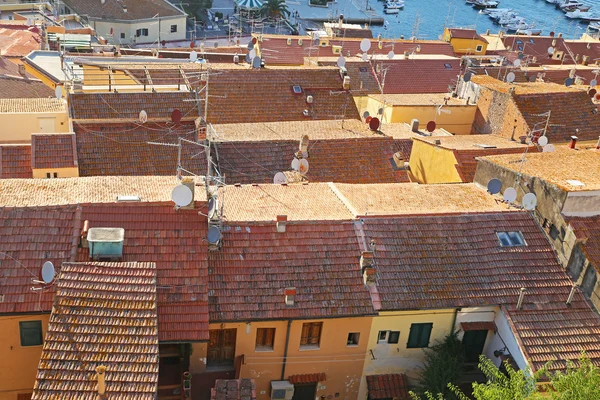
(122, 35)
(419, 335)
(56, 174)
(48, 175)
(31, 333)
(173, 28)
(479, 48)
(141, 32)
(353, 339)
(297, 89)
(264, 339)
(311, 334)
(390, 337)
(510, 239)
(448, 66)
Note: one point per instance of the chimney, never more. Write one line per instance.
(598, 144)
(22, 69)
(281, 222)
(189, 182)
(573, 142)
(438, 142)
(572, 294)
(290, 296)
(366, 259)
(84, 232)
(521, 295)
(369, 276)
(346, 83)
(100, 370)
(414, 125)
(303, 148)
(341, 23)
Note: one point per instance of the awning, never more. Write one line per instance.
(307, 378)
(388, 386)
(250, 4)
(478, 326)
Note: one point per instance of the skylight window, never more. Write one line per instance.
(297, 89)
(511, 239)
(519, 42)
(448, 66)
(531, 41)
(363, 69)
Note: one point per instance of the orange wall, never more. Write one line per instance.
(341, 364)
(18, 365)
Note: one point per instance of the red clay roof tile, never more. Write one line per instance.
(307, 378)
(15, 161)
(53, 150)
(418, 75)
(390, 386)
(587, 229)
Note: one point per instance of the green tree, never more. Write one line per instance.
(195, 6)
(578, 382)
(444, 363)
(275, 9)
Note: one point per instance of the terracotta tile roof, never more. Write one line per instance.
(18, 42)
(419, 99)
(521, 87)
(307, 378)
(15, 161)
(478, 326)
(363, 160)
(549, 330)
(353, 33)
(314, 201)
(538, 47)
(587, 230)
(390, 386)
(30, 237)
(32, 105)
(413, 199)
(418, 75)
(127, 106)
(473, 142)
(17, 88)
(53, 150)
(104, 314)
(557, 167)
(99, 189)
(457, 261)
(249, 95)
(570, 111)
(362, 76)
(123, 149)
(460, 33)
(114, 9)
(173, 240)
(256, 264)
(551, 74)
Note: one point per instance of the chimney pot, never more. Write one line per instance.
(572, 294)
(573, 142)
(369, 276)
(366, 259)
(414, 125)
(290, 296)
(281, 222)
(100, 370)
(521, 296)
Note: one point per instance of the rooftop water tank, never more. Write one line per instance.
(106, 243)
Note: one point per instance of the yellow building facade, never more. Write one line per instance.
(432, 164)
(465, 41)
(22, 117)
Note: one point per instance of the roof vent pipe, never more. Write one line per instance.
(573, 142)
(100, 370)
(572, 294)
(521, 296)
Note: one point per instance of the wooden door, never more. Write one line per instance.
(305, 392)
(221, 346)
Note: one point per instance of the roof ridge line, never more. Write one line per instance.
(342, 198)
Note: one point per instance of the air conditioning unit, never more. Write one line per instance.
(281, 390)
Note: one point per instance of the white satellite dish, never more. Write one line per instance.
(550, 50)
(212, 207)
(529, 201)
(48, 272)
(295, 164)
(193, 56)
(143, 116)
(510, 195)
(279, 178)
(256, 62)
(252, 54)
(303, 168)
(214, 235)
(182, 196)
(341, 61)
(543, 140)
(510, 78)
(58, 92)
(549, 148)
(517, 63)
(593, 82)
(391, 55)
(365, 45)
(365, 56)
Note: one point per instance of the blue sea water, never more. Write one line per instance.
(433, 15)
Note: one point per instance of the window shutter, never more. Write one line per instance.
(305, 333)
(269, 337)
(425, 334)
(315, 333)
(413, 336)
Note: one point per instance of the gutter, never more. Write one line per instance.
(285, 351)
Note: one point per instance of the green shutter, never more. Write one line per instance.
(419, 335)
(425, 334)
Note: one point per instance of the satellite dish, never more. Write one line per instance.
(216, 45)
(366, 114)
(510, 78)
(431, 126)
(368, 119)
(374, 124)
(365, 57)
(48, 272)
(303, 167)
(214, 235)
(529, 201)
(250, 45)
(552, 34)
(279, 178)
(593, 82)
(380, 111)
(494, 186)
(365, 45)
(252, 54)
(592, 92)
(569, 82)
(212, 207)
(256, 61)
(467, 77)
(550, 50)
(549, 148)
(176, 116)
(391, 55)
(543, 140)
(517, 63)
(143, 117)
(193, 56)
(598, 96)
(58, 92)
(254, 40)
(182, 196)
(510, 195)
(295, 164)
(532, 78)
(341, 61)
